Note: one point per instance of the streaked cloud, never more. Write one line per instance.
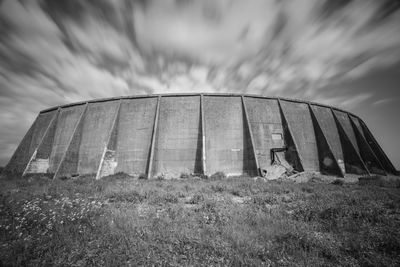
(384, 101)
(54, 52)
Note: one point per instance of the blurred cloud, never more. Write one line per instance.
(383, 101)
(54, 52)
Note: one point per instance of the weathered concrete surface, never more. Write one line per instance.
(328, 162)
(178, 139)
(109, 164)
(352, 159)
(378, 150)
(344, 121)
(39, 162)
(29, 143)
(328, 126)
(266, 125)
(228, 147)
(111, 136)
(38, 165)
(371, 161)
(380, 157)
(108, 161)
(96, 127)
(135, 126)
(67, 120)
(70, 159)
(299, 119)
(40, 128)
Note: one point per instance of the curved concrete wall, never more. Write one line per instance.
(203, 134)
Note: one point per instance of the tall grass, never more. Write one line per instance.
(121, 221)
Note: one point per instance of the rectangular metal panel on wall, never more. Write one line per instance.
(96, 126)
(344, 120)
(178, 140)
(135, 126)
(228, 147)
(299, 119)
(328, 126)
(266, 126)
(67, 120)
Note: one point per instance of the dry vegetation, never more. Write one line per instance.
(120, 221)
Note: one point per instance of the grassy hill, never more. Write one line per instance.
(120, 221)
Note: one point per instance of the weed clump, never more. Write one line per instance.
(142, 176)
(163, 199)
(185, 175)
(218, 188)
(161, 177)
(196, 199)
(338, 182)
(218, 176)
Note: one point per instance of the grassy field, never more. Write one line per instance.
(121, 221)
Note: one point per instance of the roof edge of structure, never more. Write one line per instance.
(193, 94)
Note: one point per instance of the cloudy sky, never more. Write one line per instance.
(339, 52)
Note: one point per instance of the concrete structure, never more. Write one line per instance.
(196, 133)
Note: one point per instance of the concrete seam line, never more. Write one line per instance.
(153, 137)
(251, 135)
(203, 136)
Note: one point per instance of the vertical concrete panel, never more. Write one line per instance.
(21, 156)
(292, 155)
(70, 160)
(344, 121)
(178, 142)
(154, 133)
(371, 161)
(250, 140)
(266, 126)
(67, 120)
(387, 164)
(30, 143)
(108, 162)
(45, 147)
(39, 162)
(40, 128)
(299, 119)
(329, 129)
(228, 147)
(96, 126)
(203, 137)
(328, 163)
(358, 125)
(134, 135)
(352, 159)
